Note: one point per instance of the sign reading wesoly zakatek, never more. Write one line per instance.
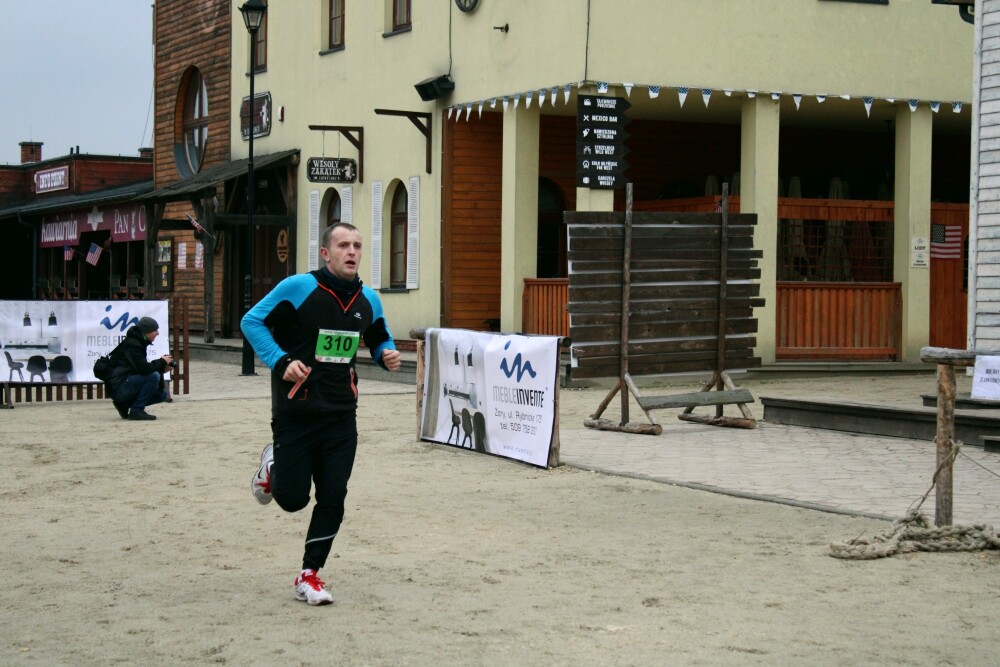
(331, 170)
(600, 141)
(493, 393)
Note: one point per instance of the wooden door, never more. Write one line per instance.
(949, 259)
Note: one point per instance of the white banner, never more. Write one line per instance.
(58, 341)
(495, 393)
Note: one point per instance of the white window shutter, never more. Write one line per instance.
(413, 234)
(314, 260)
(376, 252)
(346, 204)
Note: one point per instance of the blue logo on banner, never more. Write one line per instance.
(516, 366)
(122, 323)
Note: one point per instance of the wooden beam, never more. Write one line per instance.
(421, 120)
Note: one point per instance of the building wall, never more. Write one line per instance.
(194, 34)
(908, 49)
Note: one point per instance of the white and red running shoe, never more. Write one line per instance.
(260, 485)
(310, 588)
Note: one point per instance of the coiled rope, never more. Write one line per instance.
(914, 532)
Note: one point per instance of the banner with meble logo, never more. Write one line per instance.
(58, 341)
(493, 393)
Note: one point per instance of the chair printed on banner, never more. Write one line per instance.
(37, 367)
(467, 427)
(60, 369)
(13, 366)
(456, 423)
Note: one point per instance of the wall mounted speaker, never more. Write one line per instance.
(435, 87)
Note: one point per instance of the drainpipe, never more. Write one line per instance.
(34, 255)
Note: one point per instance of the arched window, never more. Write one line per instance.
(192, 135)
(333, 208)
(397, 239)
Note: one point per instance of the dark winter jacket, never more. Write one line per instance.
(129, 358)
(289, 323)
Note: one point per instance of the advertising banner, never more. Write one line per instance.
(494, 393)
(58, 341)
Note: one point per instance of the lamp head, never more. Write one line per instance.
(253, 15)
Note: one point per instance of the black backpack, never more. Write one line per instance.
(103, 368)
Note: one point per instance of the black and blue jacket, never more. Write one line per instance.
(286, 324)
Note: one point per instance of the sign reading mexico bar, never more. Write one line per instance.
(600, 141)
(331, 170)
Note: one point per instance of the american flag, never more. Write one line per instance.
(198, 228)
(93, 254)
(946, 241)
(68, 252)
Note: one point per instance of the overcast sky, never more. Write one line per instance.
(75, 74)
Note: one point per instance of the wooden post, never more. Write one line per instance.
(420, 386)
(720, 363)
(626, 285)
(943, 442)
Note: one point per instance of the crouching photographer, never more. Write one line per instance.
(136, 383)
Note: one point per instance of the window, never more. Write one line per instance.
(400, 14)
(333, 208)
(335, 28)
(260, 46)
(192, 135)
(397, 239)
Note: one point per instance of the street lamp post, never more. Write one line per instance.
(253, 16)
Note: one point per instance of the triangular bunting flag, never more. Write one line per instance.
(890, 100)
(458, 116)
(602, 87)
(935, 106)
(517, 98)
(480, 108)
(566, 90)
(527, 99)
(654, 92)
(751, 94)
(798, 100)
(821, 98)
(505, 103)
(468, 111)
(552, 99)
(541, 98)
(868, 105)
(728, 93)
(956, 107)
(912, 104)
(706, 95)
(449, 112)
(682, 94)
(775, 96)
(845, 97)
(628, 89)
(493, 103)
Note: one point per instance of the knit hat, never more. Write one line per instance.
(147, 325)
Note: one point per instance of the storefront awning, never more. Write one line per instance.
(182, 190)
(86, 200)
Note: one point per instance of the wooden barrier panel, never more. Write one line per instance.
(543, 306)
(838, 320)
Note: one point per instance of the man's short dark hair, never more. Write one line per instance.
(329, 231)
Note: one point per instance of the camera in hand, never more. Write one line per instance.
(172, 364)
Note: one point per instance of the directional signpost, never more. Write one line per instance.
(600, 141)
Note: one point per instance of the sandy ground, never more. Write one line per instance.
(139, 544)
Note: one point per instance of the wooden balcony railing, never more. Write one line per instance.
(838, 321)
(543, 306)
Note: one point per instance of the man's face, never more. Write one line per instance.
(343, 254)
(151, 336)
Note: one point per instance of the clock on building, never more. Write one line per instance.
(467, 5)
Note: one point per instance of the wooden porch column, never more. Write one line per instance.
(912, 220)
(519, 217)
(759, 194)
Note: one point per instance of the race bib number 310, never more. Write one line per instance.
(336, 347)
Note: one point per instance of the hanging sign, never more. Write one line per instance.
(331, 170)
(260, 116)
(600, 141)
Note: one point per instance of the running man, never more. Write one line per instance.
(307, 330)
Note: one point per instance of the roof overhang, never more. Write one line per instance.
(191, 187)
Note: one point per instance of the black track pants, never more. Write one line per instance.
(320, 453)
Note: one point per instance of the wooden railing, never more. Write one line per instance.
(543, 306)
(838, 320)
